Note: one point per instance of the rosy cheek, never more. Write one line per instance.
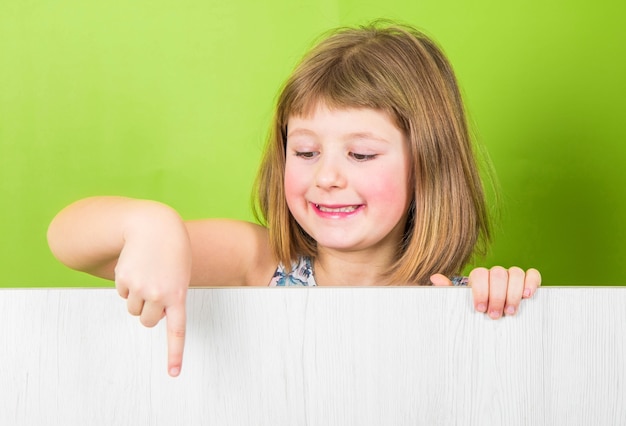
(293, 185)
(389, 187)
(389, 193)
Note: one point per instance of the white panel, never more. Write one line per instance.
(316, 356)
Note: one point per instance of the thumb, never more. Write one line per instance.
(440, 280)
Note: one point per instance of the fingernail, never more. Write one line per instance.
(526, 292)
(174, 371)
(510, 310)
(481, 307)
(495, 314)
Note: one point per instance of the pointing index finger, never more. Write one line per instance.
(176, 326)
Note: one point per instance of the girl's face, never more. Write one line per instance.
(347, 178)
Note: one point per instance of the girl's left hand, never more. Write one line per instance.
(498, 291)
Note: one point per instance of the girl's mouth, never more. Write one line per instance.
(336, 211)
(343, 209)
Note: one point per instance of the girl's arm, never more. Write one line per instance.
(228, 252)
(90, 235)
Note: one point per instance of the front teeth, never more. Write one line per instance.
(338, 210)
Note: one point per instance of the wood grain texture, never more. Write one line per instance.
(317, 356)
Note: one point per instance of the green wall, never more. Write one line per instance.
(172, 100)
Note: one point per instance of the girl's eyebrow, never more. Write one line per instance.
(349, 136)
(365, 135)
(299, 132)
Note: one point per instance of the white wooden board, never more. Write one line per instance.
(316, 356)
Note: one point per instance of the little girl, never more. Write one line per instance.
(368, 178)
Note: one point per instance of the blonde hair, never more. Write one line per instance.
(400, 71)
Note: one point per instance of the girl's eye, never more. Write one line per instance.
(306, 154)
(362, 157)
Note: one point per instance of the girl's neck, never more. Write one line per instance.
(333, 268)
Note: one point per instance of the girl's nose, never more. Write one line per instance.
(329, 174)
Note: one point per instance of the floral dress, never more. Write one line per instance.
(301, 275)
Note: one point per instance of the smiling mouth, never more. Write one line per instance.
(343, 209)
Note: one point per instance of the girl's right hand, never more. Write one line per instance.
(143, 245)
(153, 273)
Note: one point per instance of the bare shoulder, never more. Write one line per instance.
(230, 252)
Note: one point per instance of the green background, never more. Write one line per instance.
(172, 100)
